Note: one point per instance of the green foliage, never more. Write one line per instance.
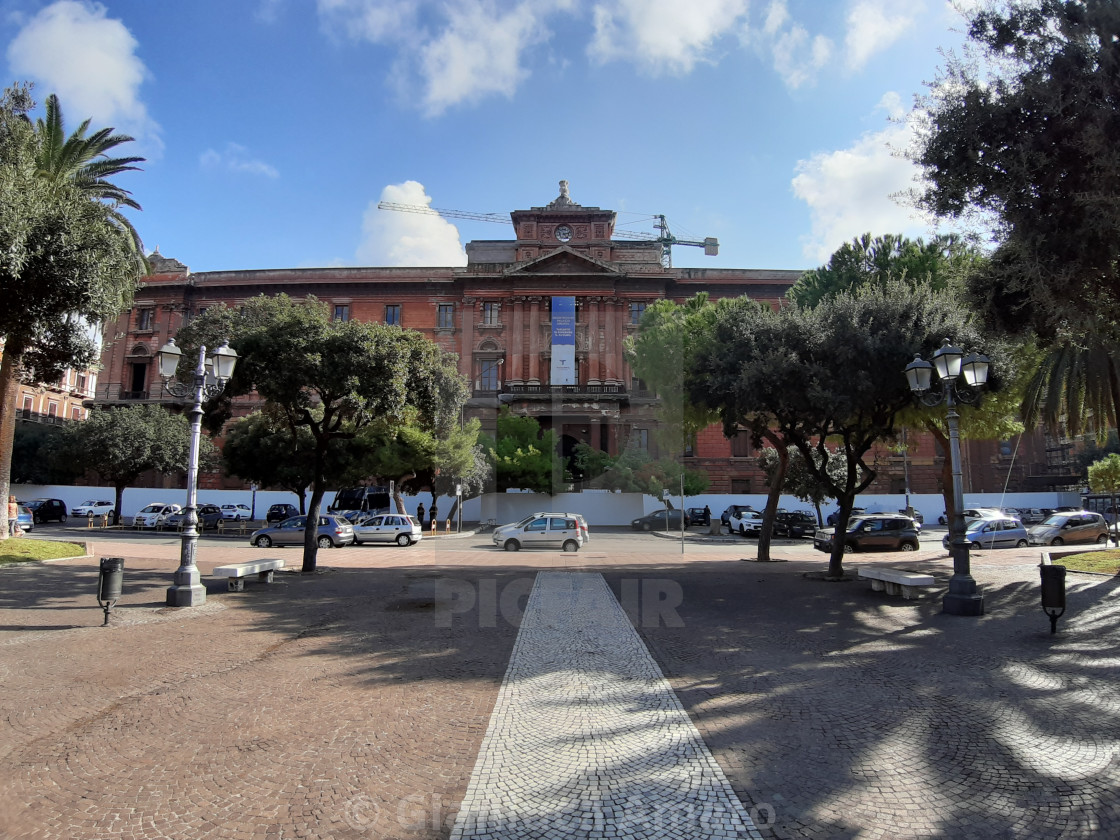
(33, 460)
(332, 378)
(1020, 132)
(661, 353)
(942, 263)
(800, 481)
(118, 444)
(634, 471)
(1104, 475)
(523, 456)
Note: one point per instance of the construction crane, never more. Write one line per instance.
(665, 237)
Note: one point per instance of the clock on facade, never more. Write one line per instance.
(563, 233)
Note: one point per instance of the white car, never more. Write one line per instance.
(745, 523)
(92, 507)
(541, 530)
(236, 512)
(154, 515)
(400, 528)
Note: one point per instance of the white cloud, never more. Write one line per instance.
(797, 55)
(475, 49)
(872, 27)
(661, 34)
(71, 48)
(478, 54)
(235, 158)
(408, 239)
(849, 192)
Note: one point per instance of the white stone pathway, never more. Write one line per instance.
(587, 738)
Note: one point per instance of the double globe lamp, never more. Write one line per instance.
(210, 378)
(952, 365)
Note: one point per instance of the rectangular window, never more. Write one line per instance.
(641, 439)
(145, 319)
(342, 312)
(741, 445)
(52, 409)
(393, 314)
(81, 383)
(489, 378)
(740, 486)
(27, 406)
(490, 314)
(636, 312)
(637, 385)
(445, 316)
(75, 413)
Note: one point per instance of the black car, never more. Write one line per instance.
(278, 513)
(794, 523)
(47, 510)
(660, 520)
(699, 516)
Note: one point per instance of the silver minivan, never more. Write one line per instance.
(542, 530)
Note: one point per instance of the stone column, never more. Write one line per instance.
(613, 351)
(594, 363)
(515, 347)
(535, 341)
(466, 357)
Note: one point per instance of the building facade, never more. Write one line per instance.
(538, 323)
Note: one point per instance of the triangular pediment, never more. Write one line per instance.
(563, 260)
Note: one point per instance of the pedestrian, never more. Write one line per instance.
(13, 517)
(434, 513)
(420, 514)
(707, 515)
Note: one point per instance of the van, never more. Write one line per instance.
(369, 499)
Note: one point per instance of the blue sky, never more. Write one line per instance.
(273, 127)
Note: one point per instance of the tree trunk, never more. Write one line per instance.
(311, 531)
(118, 509)
(9, 385)
(946, 476)
(773, 496)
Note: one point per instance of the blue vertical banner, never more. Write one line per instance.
(564, 341)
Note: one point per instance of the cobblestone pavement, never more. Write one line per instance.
(587, 739)
(353, 703)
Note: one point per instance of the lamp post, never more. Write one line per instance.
(951, 363)
(210, 378)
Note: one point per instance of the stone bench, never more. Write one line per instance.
(896, 581)
(237, 572)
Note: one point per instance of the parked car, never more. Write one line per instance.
(236, 512)
(545, 530)
(660, 520)
(389, 527)
(698, 516)
(1031, 516)
(794, 523)
(208, 517)
(730, 510)
(746, 523)
(1006, 532)
(47, 510)
(1079, 526)
(334, 531)
(25, 519)
(832, 517)
(93, 507)
(154, 515)
(917, 516)
(278, 513)
(888, 531)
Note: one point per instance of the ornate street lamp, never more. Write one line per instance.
(210, 378)
(952, 365)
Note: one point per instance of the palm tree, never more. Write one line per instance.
(1078, 381)
(85, 162)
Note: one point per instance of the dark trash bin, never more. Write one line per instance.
(1053, 593)
(110, 583)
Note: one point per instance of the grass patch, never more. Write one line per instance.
(28, 551)
(1102, 562)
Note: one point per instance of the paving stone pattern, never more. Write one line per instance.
(587, 739)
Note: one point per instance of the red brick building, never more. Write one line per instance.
(538, 323)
